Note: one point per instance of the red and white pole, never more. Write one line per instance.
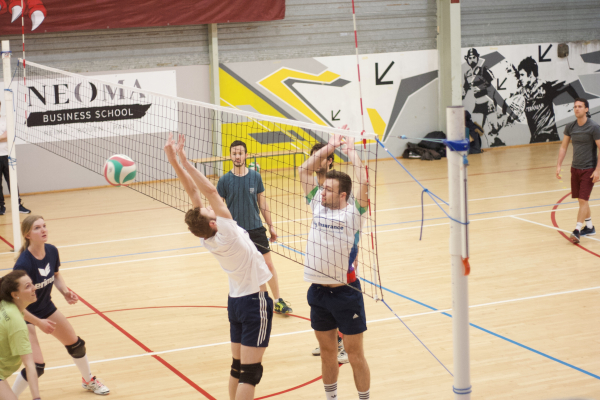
(362, 117)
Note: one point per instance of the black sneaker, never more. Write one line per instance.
(2, 210)
(588, 232)
(575, 236)
(23, 210)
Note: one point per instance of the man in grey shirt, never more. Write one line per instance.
(585, 169)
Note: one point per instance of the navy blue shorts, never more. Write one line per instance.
(250, 319)
(340, 307)
(48, 311)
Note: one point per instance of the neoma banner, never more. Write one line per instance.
(65, 108)
(42, 16)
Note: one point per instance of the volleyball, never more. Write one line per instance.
(119, 170)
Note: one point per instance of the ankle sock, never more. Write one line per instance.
(330, 391)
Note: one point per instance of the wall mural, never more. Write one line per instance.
(524, 94)
(520, 94)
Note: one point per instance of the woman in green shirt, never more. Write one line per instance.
(16, 292)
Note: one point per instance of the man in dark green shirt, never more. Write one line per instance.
(243, 191)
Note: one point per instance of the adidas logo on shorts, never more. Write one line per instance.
(355, 316)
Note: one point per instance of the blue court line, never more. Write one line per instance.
(491, 333)
(289, 248)
(475, 326)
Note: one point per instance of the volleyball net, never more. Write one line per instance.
(87, 120)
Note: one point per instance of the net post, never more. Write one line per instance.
(10, 139)
(460, 291)
(215, 96)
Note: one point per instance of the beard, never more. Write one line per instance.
(239, 163)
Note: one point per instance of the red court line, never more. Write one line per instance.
(289, 390)
(553, 218)
(143, 346)
(7, 242)
(147, 349)
(146, 308)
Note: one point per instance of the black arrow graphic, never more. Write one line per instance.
(541, 56)
(499, 85)
(379, 79)
(333, 117)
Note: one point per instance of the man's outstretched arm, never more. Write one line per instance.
(186, 180)
(361, 191)
(204, 185)
(311, 165)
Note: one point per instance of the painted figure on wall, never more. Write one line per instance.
(534, 98)
(479, 79)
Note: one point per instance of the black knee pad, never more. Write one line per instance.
(251, 373)
(236, 365)
(39, 368)
(77, 350)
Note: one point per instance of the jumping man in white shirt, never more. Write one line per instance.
(249, 306)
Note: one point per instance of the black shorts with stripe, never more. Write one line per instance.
(250, 319)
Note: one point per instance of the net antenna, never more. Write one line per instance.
(87, 120)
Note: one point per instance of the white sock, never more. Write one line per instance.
(364, 395)
(20, 385)
(578, 226)
(331, 391)
(84, 367)
(588, 223)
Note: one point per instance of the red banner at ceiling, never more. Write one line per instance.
(75, 15)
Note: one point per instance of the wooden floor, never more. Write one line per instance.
(146, 286)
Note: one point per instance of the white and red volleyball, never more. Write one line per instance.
(120, 170)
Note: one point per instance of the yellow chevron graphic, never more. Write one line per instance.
(274, 83)
(377, 122)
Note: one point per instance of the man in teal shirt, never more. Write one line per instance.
(243, 191)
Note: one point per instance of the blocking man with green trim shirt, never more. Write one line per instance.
(335, 295)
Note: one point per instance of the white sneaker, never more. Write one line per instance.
(342, 357)
(94, 385)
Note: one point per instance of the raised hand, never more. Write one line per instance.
(180, 147)
(170, 148)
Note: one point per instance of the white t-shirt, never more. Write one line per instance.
(332, 241)
(3, 145)
(238, 257)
